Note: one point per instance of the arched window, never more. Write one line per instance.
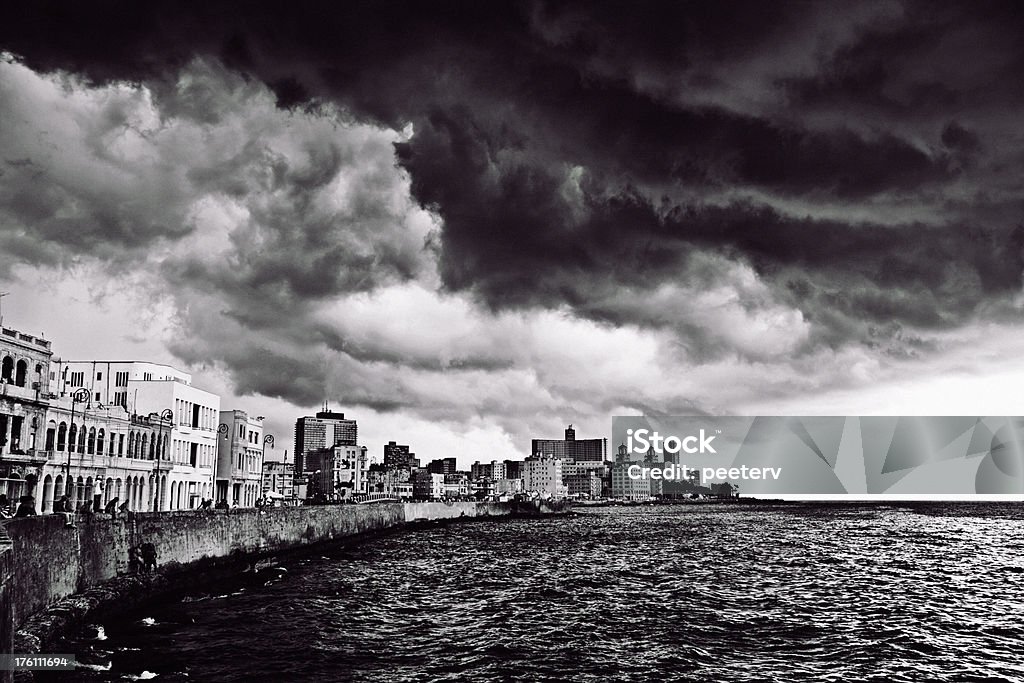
(82, 435)
(20, 373)
(99, 442)
(72, 437)
(145, 444)
(51, 435)
(152, 449)
(7, 369)
(131, 443)
(92, 440)
(62, 435)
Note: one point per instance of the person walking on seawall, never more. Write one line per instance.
(111, 508)
(63, 508)
(124, 507)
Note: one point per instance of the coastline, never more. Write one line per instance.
(214, 547)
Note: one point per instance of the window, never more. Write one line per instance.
(97, 397)
(77, 379)
(99, 375)
(121, 379)
(147, 377)
(121, 399)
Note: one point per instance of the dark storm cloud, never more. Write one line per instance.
(573, 149)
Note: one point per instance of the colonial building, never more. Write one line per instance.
(98, 450)
(24, 397)
(240, 450)
(142, 389)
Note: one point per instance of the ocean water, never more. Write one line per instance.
(924, 592)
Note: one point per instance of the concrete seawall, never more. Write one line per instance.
(46, 561)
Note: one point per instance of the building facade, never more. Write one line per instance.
(571, 448)
(24, 397)
(240, 449)
(154, 389)
(322, 430)
(543, 476)
(338, 471)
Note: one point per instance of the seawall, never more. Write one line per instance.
(47, 562)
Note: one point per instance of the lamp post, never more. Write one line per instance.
(80, 396)
(166, 416)
(222, 430)
(267, 439)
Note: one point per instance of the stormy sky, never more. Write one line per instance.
(469, 223)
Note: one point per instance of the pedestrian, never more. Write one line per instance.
(124, 507)
(148, 557)
(111, 507)
(27, 507)
(63, 508)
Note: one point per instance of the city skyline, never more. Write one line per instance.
(470, 229)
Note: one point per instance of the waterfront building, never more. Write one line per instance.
(443, 466)
(571, 448)
(143, 389)
(337, 471)
(95, 449)
(627, 488)
(543, 476)
(322, 430)
(279, 479)
(240, 450)
(385, 483)
(427, 485)
(513, 469)
(24, 398)
(491, 470)
(508, 486)
(587, 485)
(398, 457)
(456, 485)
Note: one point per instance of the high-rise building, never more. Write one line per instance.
(398, 457)
(571, 448)
(323, 430)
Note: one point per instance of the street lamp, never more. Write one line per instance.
(223, 431)
(166, 415)
(267, 439)
(80, 396)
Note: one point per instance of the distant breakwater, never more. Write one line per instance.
(52, 576)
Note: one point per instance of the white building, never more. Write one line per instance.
(186, 474)
(626, 487)
(543, 476)
(101, 450)
(240, 447)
